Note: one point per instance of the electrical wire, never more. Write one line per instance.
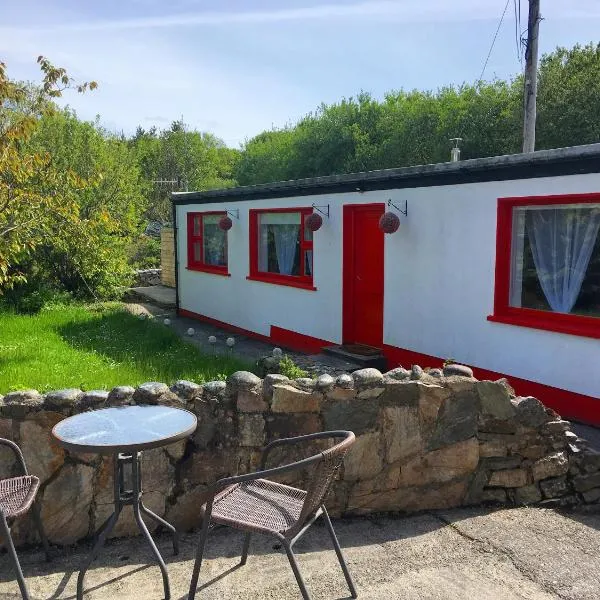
(493, 41)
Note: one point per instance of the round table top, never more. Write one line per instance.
(124, 429)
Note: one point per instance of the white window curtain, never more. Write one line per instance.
(286, 229)
(215, 241)
(562, 240)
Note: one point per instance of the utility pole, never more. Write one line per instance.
(530, 88)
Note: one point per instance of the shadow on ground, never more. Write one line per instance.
(524, 554)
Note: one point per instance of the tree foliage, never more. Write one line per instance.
(192, 159)
(414, 127)
(32, 188)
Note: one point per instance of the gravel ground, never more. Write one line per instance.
(470, 554)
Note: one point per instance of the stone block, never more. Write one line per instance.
(456, 369)
(494, 400)
(150, 392)
(290, 425)
(476, 487)
(177, 450)
(554, 465)
(92, 400)
(287, 398)
(528, 494)
(497, 463)
(252, 430)
(209, 465)
(251, 401)
(185, 513)
(186, 390)
(495, 495)
(592, 496)
(66, 504)
(430, 399)
(364, 378)
(509, 478)
(457, 420)
(416, 372)
(15, 405)
(408, 499)
(206, 431)
(533, 452)
(364, 460)
(442, 465)
(556, 428)
(338, 393)
(399, 374)
(353, 415)
(345, 381)
(489, 424)
(401, 393)
(584, 483)
(243, 380)
(158, 474)
(370, 393)
(401, 432)
(120, 395)
(43, 455)
(530, 411)
(214, 389)
(305, 383)
(271, 380)
(492, 448)
(556, 486)
(7, 456)
(324, 382)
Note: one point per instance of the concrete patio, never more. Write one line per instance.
(524, 554)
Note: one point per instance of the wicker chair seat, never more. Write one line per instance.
(259, 505)
(17, 495)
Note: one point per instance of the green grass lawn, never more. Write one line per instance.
(98, 347)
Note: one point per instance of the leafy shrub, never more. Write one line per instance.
(144, 253)
(290, 369)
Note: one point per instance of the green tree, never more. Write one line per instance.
(33, 191)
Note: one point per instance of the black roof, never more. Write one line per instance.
(543, 163)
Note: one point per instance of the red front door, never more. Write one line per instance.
(363, 275)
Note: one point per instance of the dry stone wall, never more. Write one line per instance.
(425, 439)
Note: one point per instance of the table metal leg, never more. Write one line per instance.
(133, 497)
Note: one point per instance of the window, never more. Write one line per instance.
(207, 243)
(281, 247)
(548, 263)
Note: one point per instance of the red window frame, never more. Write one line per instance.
(200, 265)
(527, 317)
(301, 281)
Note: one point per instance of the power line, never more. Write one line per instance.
(493, 41)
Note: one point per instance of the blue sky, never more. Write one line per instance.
(236, 68)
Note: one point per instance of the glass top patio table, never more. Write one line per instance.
(124, 429)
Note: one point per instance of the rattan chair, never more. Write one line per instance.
(17, 496)
(254, 504)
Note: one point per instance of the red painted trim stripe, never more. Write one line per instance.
(570, 405)
(297, 341)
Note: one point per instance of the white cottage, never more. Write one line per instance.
(496, 264)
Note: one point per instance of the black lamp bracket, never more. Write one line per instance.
(404, 212)
(323, 206)
(234, 213)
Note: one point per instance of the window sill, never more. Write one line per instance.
(560, 323)
(208, 269)
(287, 281)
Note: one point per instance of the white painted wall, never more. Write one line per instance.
(439, 282)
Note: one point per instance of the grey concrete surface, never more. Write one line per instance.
(466, 554)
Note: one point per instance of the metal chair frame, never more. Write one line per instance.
(307, 516)
(6, 520)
